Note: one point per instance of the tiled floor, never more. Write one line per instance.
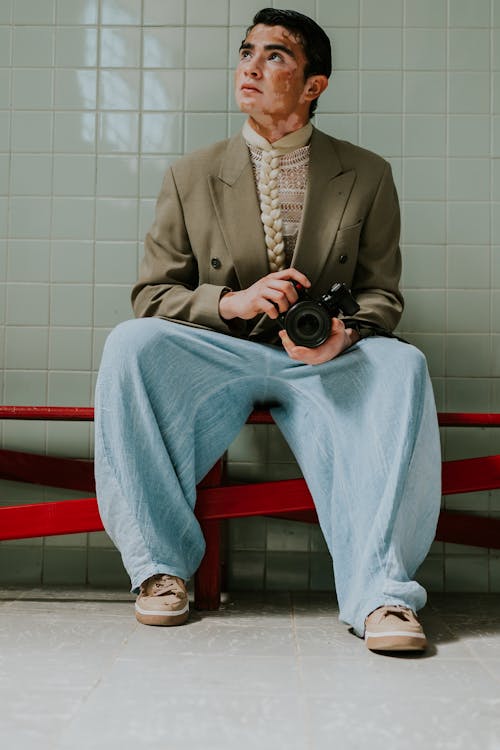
(77, 671)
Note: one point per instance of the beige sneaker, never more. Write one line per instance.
(394, 628)
(162, 600)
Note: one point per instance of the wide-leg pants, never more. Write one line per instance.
(171, 398)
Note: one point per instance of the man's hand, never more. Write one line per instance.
(273, 294)
(340, 338)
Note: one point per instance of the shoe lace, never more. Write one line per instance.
(404, 613)
(166, 585)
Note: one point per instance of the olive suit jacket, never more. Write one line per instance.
(207, 236)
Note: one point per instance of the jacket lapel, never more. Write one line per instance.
(236, 207)
(327, 194)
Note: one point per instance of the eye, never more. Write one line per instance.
(244, 54)
(276, 56)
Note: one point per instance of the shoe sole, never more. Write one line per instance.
(162, 619)
(394, 642)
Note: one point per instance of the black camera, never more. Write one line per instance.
(308, 321)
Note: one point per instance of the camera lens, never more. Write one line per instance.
(308, 324)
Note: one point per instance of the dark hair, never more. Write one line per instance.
(315, 42)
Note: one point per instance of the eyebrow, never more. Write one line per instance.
(269, 48)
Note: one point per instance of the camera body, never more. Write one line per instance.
(308, 321)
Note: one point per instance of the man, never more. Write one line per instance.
(235, 224)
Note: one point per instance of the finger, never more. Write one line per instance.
(292, 273)
(286, 288)
(278, 297)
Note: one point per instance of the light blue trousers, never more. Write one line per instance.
(363, 428)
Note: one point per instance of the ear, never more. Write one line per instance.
(315, 85)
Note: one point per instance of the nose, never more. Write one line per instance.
(252, 68)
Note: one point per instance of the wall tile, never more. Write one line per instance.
(383, 13)
(69, 388)
(74, 175)
(424, 135)
(118, 132)
(163, 48)
(425, 49)
(201, 129)
(162, 90)
(80, 12)
(468, 266)
(72, 260)
(342, 93)
(215, 14)
(117, 176)
(119, 89)
(423, 222)
(425, 92)
(469, 49)
(26, 348)
(28, 260)
(32, 47)
(73, 218)
(70, 348)
(338, 13)
(381, 49)
(71, 305)
(424, 311)
(4, 131)
(76, 48)
(382, 134)
(4, 174)
(120, 12)
(120, 48)
(469, 179)
(32, 89)
(468, 223)
(468, 310)
(206, 90)
(116, 219)
(242, 11)
(345, 47)
(25, 387)
(469, 135)
(164, 12)
(463, 13)
(206, 47)
(425, 179)
(6, 12)
(31, 174)
(30, 217)
(116, 262)
(381, 91)
(161, 133)
(424, 266)
(469, 93)
(111, 304)
(75, 89)
(74, 132)
(39, 13)
(5, 88)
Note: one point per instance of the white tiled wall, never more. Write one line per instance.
(97, 97)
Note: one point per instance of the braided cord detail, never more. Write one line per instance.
(268, 187)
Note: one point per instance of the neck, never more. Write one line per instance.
(290, 142)
(272, 130)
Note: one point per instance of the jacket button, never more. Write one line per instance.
(343, 259)
(215, 263)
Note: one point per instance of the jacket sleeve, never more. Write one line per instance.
(376, 278)
(168, 284)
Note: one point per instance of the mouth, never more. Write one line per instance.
(249, 87)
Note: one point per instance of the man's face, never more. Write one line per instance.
(269, 78)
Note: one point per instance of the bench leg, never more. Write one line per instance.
(208, 578)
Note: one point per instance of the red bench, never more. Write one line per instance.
(219, 500)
